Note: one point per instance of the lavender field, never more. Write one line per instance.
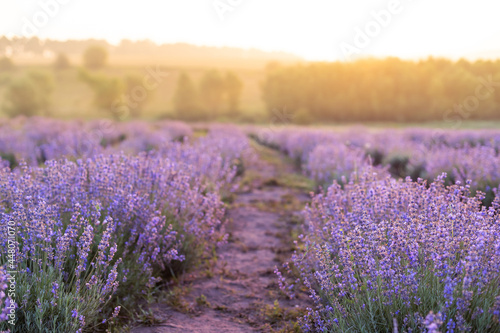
(231, 166)
(104, 223)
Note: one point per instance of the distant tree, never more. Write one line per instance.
(44, 82)
(272, 66)
(212, 93)
(186, 99)
(302, 117)
(33, 45)
(135, 95)
(233, 88)
(4, 43)
(62, 62)
(5, 79)
(30, 94)
(6, 64)
(95, 57)
(21, 98)
(108, 92)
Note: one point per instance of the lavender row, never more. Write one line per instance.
(386, 252)
(381, 254)
(330, 155)
(36, 140)
(94, 233)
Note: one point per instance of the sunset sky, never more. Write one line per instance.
(313, 29)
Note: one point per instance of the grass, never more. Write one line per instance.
(287, 176)
(277, 319)
(297, 181)
(286, 202)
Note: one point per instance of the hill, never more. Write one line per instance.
(145, 52)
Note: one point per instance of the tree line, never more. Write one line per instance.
(389, 89)
(215, 96)
(386, 90)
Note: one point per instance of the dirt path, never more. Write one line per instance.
(239, 293)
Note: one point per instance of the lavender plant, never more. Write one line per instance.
(329, 162)
(6, 303)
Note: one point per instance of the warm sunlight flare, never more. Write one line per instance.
(314, 29)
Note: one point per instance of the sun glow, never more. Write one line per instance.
(314, 29)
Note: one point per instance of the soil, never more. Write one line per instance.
(239, 292)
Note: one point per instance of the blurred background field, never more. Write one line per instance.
(196, 83)
(73, 98)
